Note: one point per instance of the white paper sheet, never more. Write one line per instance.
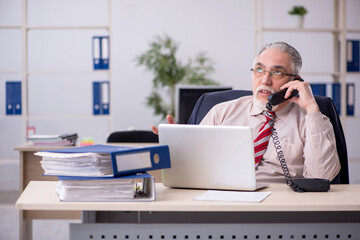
(232, 196)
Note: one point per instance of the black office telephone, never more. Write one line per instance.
(278, 97)
(297, 184)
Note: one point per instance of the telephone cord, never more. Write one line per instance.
(281, 157)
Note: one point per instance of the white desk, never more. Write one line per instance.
(338, 209)
(30, 170)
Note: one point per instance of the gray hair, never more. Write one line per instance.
(296, 62)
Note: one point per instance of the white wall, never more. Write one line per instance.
(224, 29)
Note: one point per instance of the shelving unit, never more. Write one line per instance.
(26, 73)
(339, 32)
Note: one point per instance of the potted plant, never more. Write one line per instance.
(298, 12)
(160, 59)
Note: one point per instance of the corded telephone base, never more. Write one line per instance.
(312, 184)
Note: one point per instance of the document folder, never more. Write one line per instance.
(105, 52)
(101, 97)
(350, 99)
(105, 99)
(353, 57)
(96, 53)
(101, 189)
(13, 98)
(101, 52)
(104, 160)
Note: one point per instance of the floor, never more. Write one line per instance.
(42, 229)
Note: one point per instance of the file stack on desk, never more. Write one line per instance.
(111, 189)
(54, 140)
(104, 172)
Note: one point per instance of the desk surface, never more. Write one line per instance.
(33, 148)
(41, 195)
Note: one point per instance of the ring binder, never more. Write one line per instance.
(13, 98)
(101, 52)
(101, 99)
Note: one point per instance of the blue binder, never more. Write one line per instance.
(96, 98)
(105, 52)
(318, 89)
(101, 98)
(96, 53)
(128, 160)
(13, 98)
(105, 97)
(336, 96)
(350, 99)
(9, 98)
(101, 52)
(352, 55)
(17, 97)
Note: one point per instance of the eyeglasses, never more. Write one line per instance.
(276, 74)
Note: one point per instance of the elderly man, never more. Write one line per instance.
(305, 135)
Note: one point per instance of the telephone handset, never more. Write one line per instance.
(297, 184)
(278, 97)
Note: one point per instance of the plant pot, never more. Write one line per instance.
(298, 21)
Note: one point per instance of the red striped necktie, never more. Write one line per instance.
(262, 140)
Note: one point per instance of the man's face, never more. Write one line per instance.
(264, 84)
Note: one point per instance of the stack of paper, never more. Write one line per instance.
(54, 140)
(110, 189)
(104, 172)
(76, 164)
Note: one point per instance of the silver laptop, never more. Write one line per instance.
(209, 157)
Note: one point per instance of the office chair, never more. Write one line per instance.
(326, 105)
(135, 136)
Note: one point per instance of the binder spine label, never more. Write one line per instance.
(131, 161)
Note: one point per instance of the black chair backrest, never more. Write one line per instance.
(133, 137)
(326, 105)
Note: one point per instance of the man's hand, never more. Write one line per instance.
(170, 119)
(306, 98)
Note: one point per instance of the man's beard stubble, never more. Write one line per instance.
(260, 103)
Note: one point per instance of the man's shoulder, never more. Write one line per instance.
(236, 102)
(233, 106)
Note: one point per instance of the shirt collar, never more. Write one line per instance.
(256, 110)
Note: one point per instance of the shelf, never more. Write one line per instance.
(353, 30)
(42, 117)
(11, 72)
(69, 72)
(334, 74)
(66, 27)
(4, 116)
(11, 27)
(353, 73)
(309, 30)
(353, 117)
